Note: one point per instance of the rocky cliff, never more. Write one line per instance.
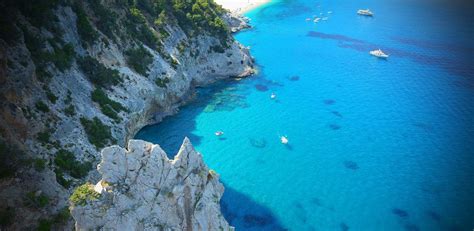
(77, 76)
(141, 189)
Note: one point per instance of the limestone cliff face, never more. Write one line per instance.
(45, 93)
(141, 189)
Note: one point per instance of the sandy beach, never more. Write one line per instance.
(240, 6)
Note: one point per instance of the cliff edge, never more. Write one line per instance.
(141, 189)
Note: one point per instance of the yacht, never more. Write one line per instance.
(219, 133)
(365, 12)
(284, 140)
(316, 19)
(273, 96)
(379, 53)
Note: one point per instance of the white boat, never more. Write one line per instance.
(366, 12)
(379, 53)
(308, 19)
(316, 19)
(284, 140)
(273, 96)
(219, 133)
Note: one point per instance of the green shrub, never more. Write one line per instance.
(62, 216)
(7, 217)
(9, 160)
(109, 107)
(61, 180)
(98, 73)
(37, 201)
(139, 59)
(162, 82)
(44, 225)
(174, 63)
(39, 164)
(84, 27)
(51, 96)
(43, 137)
(70, 110)
(66, 162)
(106, 19)
(42, 106)
(98, 133)
(83, 193)
(62, 57)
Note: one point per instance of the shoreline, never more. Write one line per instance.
(241, 6)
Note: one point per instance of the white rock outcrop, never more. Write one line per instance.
(141, 189)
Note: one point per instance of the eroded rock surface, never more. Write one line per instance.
(141, 189)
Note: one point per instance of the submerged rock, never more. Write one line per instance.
(141, 189)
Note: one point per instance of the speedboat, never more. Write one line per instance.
(379, 53)
(273, 96)
(284, 140)
(366, 12)
(316, 19)
(219, 133)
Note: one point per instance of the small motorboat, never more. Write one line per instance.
(379, 53)
(308, 19)
(273, 96)
(284, 140)
(366, 12)
(316, 19)
(219, 133)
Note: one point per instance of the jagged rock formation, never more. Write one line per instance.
(141, 189)
(76, 76)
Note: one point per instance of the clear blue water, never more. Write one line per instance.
(374, 144)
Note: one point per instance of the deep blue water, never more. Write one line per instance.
(374, 144)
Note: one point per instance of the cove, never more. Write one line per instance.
(373, 144)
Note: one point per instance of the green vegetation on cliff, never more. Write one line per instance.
(139, 59)
(98, 133)
(84, 193)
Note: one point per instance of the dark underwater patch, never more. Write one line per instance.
(317, 202)
(294, 78)
(433, 215)
(329, 101)
(258, 143)
(334, 126)
(411, 227)
(336, 113)
(261, 87)
(337, 37)
(399, 212)
(351, 165)
(251, 220)
(344, 226)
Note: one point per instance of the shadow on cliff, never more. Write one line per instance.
(245, 214)
(225, 95)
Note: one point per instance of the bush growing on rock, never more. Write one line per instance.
(83, 193)
(162, 82)
(97, 73)
(98, 133)
(66, 161)
(109, 107)
(42, 106)
(139, 59)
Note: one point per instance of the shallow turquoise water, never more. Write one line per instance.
(374, 144)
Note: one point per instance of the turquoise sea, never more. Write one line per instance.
(373, 144)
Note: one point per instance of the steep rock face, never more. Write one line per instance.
(42, 115)
(141, 189)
